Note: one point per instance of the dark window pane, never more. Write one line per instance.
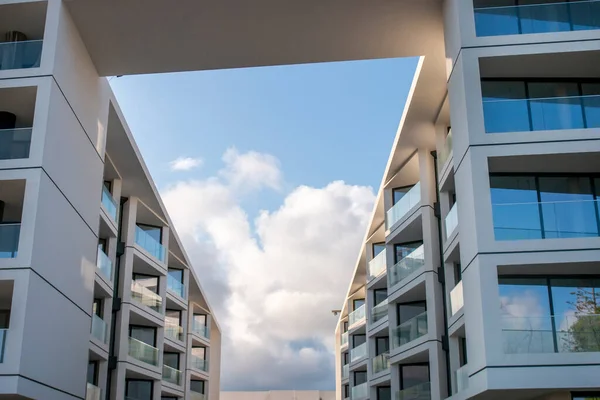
(173, 317)
(143, 334)
(505, 106)
(591, 101)
(515, 208)
(357, 340)
(403, 250)
(176, 274)
(199, 352)
(382, 345)
(380, 295)
(360, 377)
(378, 248)
(197, 386)
(358, 303)
(147, 281)
(413, 375)
(384, 393)
(139, 390)
(409, 311)
(92, 373)
(171, 360)
(555, 105)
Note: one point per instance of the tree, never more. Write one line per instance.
(584, 333)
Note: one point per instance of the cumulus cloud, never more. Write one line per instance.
(185, 163)
(275, 281)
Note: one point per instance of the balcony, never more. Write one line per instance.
(15, 143)
(197, 396)
(404, 205)
(410, 330)
(93, 392)
(358, 353)
(344, 339)
(104, 264)
(461, 377)
(457, 300)
(171, 375)
(200, 329)
(445, 152)
(541, 114)
(9, 239)
(99, 329)
(409, 264)
(357, 316)
(451, 221)
(543, 17)
(143, 352)
(346, 371)
(360, 391)
(551, 334)
(199, 363)
(381, 363)
(174, 332)
(146, 297)
(109, 203)
(148, 243)
(21, 54)
(417, 392)
(545, 220)
(380, 311)
(377, 265)
(3, 333)
(174, 286)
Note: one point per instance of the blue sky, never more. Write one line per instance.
(324, 122)
(270, 230)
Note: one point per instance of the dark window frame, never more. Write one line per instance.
(127, 380)
(397, 188)
(145, 327)
(404, 244)
(408, 304)
(400, 369)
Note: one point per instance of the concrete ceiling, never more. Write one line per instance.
(127, 37)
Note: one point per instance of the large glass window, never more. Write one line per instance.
(358, 303)
(408, 311)
(155, 232)
(171, 360)
(516, 17)
(92, 373)
(384, 393)
(380, 295)
(199, 352)
(147, 282)
(357, 340)
(144, 334)
(534, 105)
(138, 389)
(544, 207)
(382, 345)
(378, 248)
(545, 315)
(412, 375)
(173, 318)
(401, 251)
(360, 377)
(197, 386)
(399, 193)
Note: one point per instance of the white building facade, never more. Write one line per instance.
(98, 299)
(478, 274)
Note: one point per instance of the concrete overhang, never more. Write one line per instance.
(125, 37)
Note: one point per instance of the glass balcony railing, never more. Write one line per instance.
(358, 353)
(445, 151)
(377, 265)
(461, 376)
(93, 392)
(357, 316)
(457, 300)
(18, 55)
(417, 392)
(9, 240)
(3, 333)
(148, 243)
(171, 375)
(410, 330)
(344, 339)
(197, 396)
(404, 205)
(360, 391)
(15, 143)
(109, 203)
(381, 363)
(451, 221)
(543, 17)
(99, 329)
(541, 114)
(200, 329)
(551, 334)
(199, 363)
(146, 297)
(346, 371)
(409, 264)
(174, 286)
(104, 264)
(174, 332)
(143, 352)
(545, 220)
(380, 311)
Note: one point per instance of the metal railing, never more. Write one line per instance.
(143, 351)
(171, 375)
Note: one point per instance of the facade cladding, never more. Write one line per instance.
(98, 299)
(479, 275)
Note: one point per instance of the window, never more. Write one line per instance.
(546, 315)
(168, 398)
(457, 273)
(408, 311)
(382, 345)
(199, 351)
(360, 377)
(171, 360)
(108, 186)
(97, 307)
(357, 340)
(358, 303)
(103, 245)
(345, 357)
(197, 386)
(399, 193)
(544, 206)
(462, 347)
(148, 282)
(345, 326)
(401, 251)
(92, 373)
(154, 232)
(144, 334)
(4, 319)
(200, 319)
(378, 248)
(384, 393)
(413, 375)
(586, 396)
(380, 295)
(346, 391)
(138, 389)
(172, 318)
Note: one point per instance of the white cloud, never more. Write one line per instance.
(274, 282)
(185, 163)
(251, 170)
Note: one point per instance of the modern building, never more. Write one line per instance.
(98, 299)
(280, 395)
(479, 271)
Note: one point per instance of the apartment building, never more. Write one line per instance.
(478, 273)
(98, 299)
